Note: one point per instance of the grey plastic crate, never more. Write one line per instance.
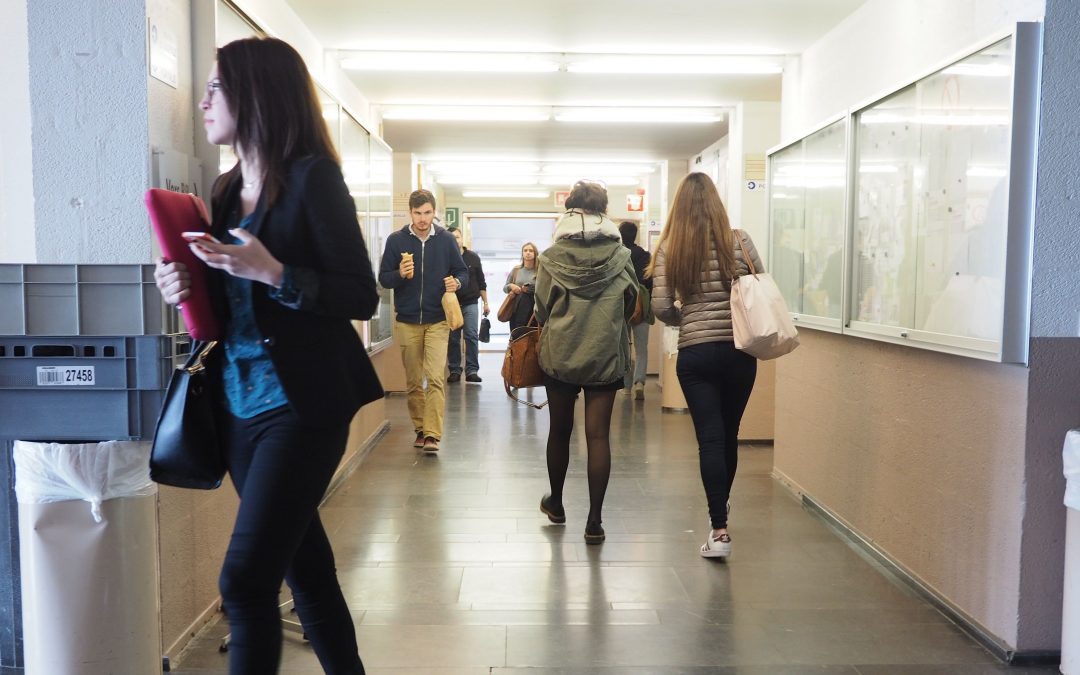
(83, 300)
(122, 403)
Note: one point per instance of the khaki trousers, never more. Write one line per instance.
(423, 351)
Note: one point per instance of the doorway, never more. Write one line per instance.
(497, 238)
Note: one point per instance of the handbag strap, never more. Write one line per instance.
(537, 406)
(747, 257)
(204, 351)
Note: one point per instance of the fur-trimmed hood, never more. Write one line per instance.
(577, 224)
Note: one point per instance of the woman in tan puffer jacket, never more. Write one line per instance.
(696, 260)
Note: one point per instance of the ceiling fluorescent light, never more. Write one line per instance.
(660, 64)
(465, 113)
(568, 181)
(486, 180)
(464, 168)
(617, 114)
(515, 194)
(463, 62)
(595, 169)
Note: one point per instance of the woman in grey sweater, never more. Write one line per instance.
(696, 260)
(521, 282)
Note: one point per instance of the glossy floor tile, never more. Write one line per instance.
(451, 569)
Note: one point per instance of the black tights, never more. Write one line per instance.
(598, 405)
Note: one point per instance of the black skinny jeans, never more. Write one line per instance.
(281, 469)
(716, 380)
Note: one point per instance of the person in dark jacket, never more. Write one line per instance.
(289, 270)
(635, 380)
(467, 296)
(421, 261)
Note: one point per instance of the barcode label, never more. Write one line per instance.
(65, 376)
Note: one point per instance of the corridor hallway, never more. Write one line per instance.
(451, 569)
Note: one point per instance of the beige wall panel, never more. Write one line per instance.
(758, 420)
(194, 528)
(919, 452)
(391, 370)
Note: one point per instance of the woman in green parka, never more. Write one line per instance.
(586, 289)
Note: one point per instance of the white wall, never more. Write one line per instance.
(755, 127)
(89, 115)
(16, 154)
(886, 43)
(280, 21)
(1055, 310)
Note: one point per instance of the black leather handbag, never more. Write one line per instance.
(484, 334)
(186, 451)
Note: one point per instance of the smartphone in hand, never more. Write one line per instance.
(196, 237)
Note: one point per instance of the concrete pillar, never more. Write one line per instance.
(1054, 360)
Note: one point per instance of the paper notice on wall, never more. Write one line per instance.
(163, 55)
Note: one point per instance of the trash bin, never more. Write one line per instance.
(89, 555)
(1070, 615)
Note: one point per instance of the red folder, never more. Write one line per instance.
(172, 213)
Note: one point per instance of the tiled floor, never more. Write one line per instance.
(451, 569)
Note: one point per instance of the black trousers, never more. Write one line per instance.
(716, 380)
(281, 470)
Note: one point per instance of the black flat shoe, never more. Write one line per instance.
(555, 514)
(594, 533)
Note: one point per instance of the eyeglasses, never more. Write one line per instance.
(212, 87)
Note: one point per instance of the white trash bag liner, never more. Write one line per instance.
(670, 338)
(1070, 456)
(93, 472)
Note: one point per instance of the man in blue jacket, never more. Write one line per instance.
(431, 265)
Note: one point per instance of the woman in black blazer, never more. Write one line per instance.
(293, 272)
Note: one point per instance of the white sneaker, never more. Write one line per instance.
(716, 547)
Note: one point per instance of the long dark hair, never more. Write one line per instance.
(273, 100)
(697, 225)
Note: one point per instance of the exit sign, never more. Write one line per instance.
(452, 219)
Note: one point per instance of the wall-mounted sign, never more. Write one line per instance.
(636, 201)
(163, 54)
(560, 198)
(452, 221)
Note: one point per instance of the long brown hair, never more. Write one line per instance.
(696, 226)
(273, 99)
(536, 254)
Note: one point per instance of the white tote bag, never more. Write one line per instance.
(759, 316)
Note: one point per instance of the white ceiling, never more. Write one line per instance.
(713, 27)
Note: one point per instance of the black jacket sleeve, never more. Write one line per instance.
(343, 285)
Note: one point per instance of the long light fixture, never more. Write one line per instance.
(569, 180)
(491, 179)
(598, 169)
(464, 62)
(505, 194)
(459, 168)
(549, 62)
(467, 113)
(620, 114)
(663, 64)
